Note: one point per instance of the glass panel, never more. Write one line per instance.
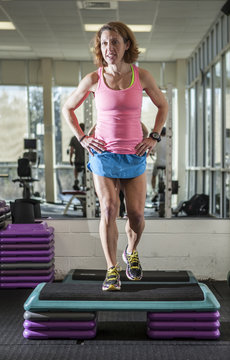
(148, 115)
(227, 192)
(192, 189)
(208, 119)
(63, 132)
(227, 134)
(36, 115)
(200, 140)
(217, 193)
(199, 188)
(207, 183)
(13, 122)
(192, 128)
(227, 101)
(218, 118)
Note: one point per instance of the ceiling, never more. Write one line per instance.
(55, 28)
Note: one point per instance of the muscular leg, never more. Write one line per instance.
(107, 190)
(135, 195)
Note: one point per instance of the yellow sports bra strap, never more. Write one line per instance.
(132, 80)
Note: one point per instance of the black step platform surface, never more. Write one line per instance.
(129, 292)
(153, 276)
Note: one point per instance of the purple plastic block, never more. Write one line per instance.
(208, 335)
(183, 325)
(17, 285)
(15, 259)
(59, 325)
(26, 272)
(11, 253)
(184, 316)
(27, 246)
(27, 265)
(68, 334)
(28, 239)
(9, 279)
(31, 230)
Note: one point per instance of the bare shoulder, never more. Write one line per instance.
(90, 81)
(146, 79)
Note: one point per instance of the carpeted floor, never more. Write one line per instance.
(121, 335)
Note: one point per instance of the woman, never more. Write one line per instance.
(117, 150)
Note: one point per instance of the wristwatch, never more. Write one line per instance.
(155, 136)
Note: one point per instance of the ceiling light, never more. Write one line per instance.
(140, 28)
(6, 25)
(93, 27)
(14, 48)
(134, 28)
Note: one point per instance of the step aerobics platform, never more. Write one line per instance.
(149, 297)
(174, 310)
(89, 276)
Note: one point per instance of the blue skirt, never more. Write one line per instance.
(117, 166)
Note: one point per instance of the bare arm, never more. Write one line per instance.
(86, 85)
(149, 85)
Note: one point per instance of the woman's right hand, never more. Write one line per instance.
(90, 142)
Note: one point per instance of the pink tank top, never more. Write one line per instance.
(119, 115)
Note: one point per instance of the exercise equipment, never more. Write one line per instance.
(183, 309)
(26, 255)
(75, 194)
(166, 277)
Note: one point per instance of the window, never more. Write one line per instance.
(218, 118)
(21, 116)
(63, 134)
(14, 122)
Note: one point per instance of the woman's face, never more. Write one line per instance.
(113, 47)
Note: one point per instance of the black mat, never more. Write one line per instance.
(129, 292)
(154, 276)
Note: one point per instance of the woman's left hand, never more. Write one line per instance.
(146, 145)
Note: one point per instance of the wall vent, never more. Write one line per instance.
(97, 5)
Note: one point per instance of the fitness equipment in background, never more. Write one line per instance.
(24, 169)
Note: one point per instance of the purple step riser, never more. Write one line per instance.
(23, 285)
(27, 246)
(27, 272)
(29, 239)
(17, 259)
(182, 325)
(184, 316)
(9, 279)
(12, 253)
(81, 335)
(60, 325)
(205, 335)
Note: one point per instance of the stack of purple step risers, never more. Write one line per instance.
(61, 325)
(26, 255)
(196, 325)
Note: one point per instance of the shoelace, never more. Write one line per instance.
(114, 271)
(133, 259)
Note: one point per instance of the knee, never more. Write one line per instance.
(109, 210)
(136, 217)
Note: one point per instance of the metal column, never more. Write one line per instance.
(90, 193)
(168, 185)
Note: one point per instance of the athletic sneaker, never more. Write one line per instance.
(134, 269)
(112, 280)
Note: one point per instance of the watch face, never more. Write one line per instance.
(155, 136)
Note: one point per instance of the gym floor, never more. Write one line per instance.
(121, 335)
